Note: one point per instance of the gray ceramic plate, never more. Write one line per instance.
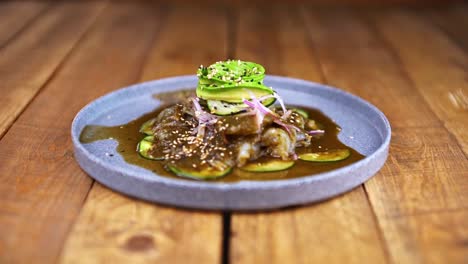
(364, 128)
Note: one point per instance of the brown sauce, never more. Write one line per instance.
(128, 136)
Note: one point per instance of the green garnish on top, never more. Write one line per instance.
(231, 81)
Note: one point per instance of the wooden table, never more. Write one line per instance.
(412, 64)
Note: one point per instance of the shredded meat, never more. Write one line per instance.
(279, 143)
(247, 149)
(184, 132)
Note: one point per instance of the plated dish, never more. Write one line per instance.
(115, 162)
(231, 127)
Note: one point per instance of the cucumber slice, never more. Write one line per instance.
(327, 156)
(145, 146)
(301, 112)
(268, 166)
(147, 127)
(224, 108)
(201, 174)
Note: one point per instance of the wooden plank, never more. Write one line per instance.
(117, 229)
(357, 62)
(428, 238)
(341, 230)
(367, 68)
(426, 171)
(42, 189)
(180, 49)
(453, 19)
(26, 65)
(15, 15)
(437, 67)
(281, 47)
(112, 228)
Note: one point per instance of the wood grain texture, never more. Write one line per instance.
(14, 16)
(365, 66)
(341, 230)
(426, 170)
(180, 49)
(113, 228)
(412, 64)
(453, 19)
(29, 61)
(437, 66)
(42, 189)
(327, 3)
(355, 60)
(439, 237)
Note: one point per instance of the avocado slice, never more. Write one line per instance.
(231, 81)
